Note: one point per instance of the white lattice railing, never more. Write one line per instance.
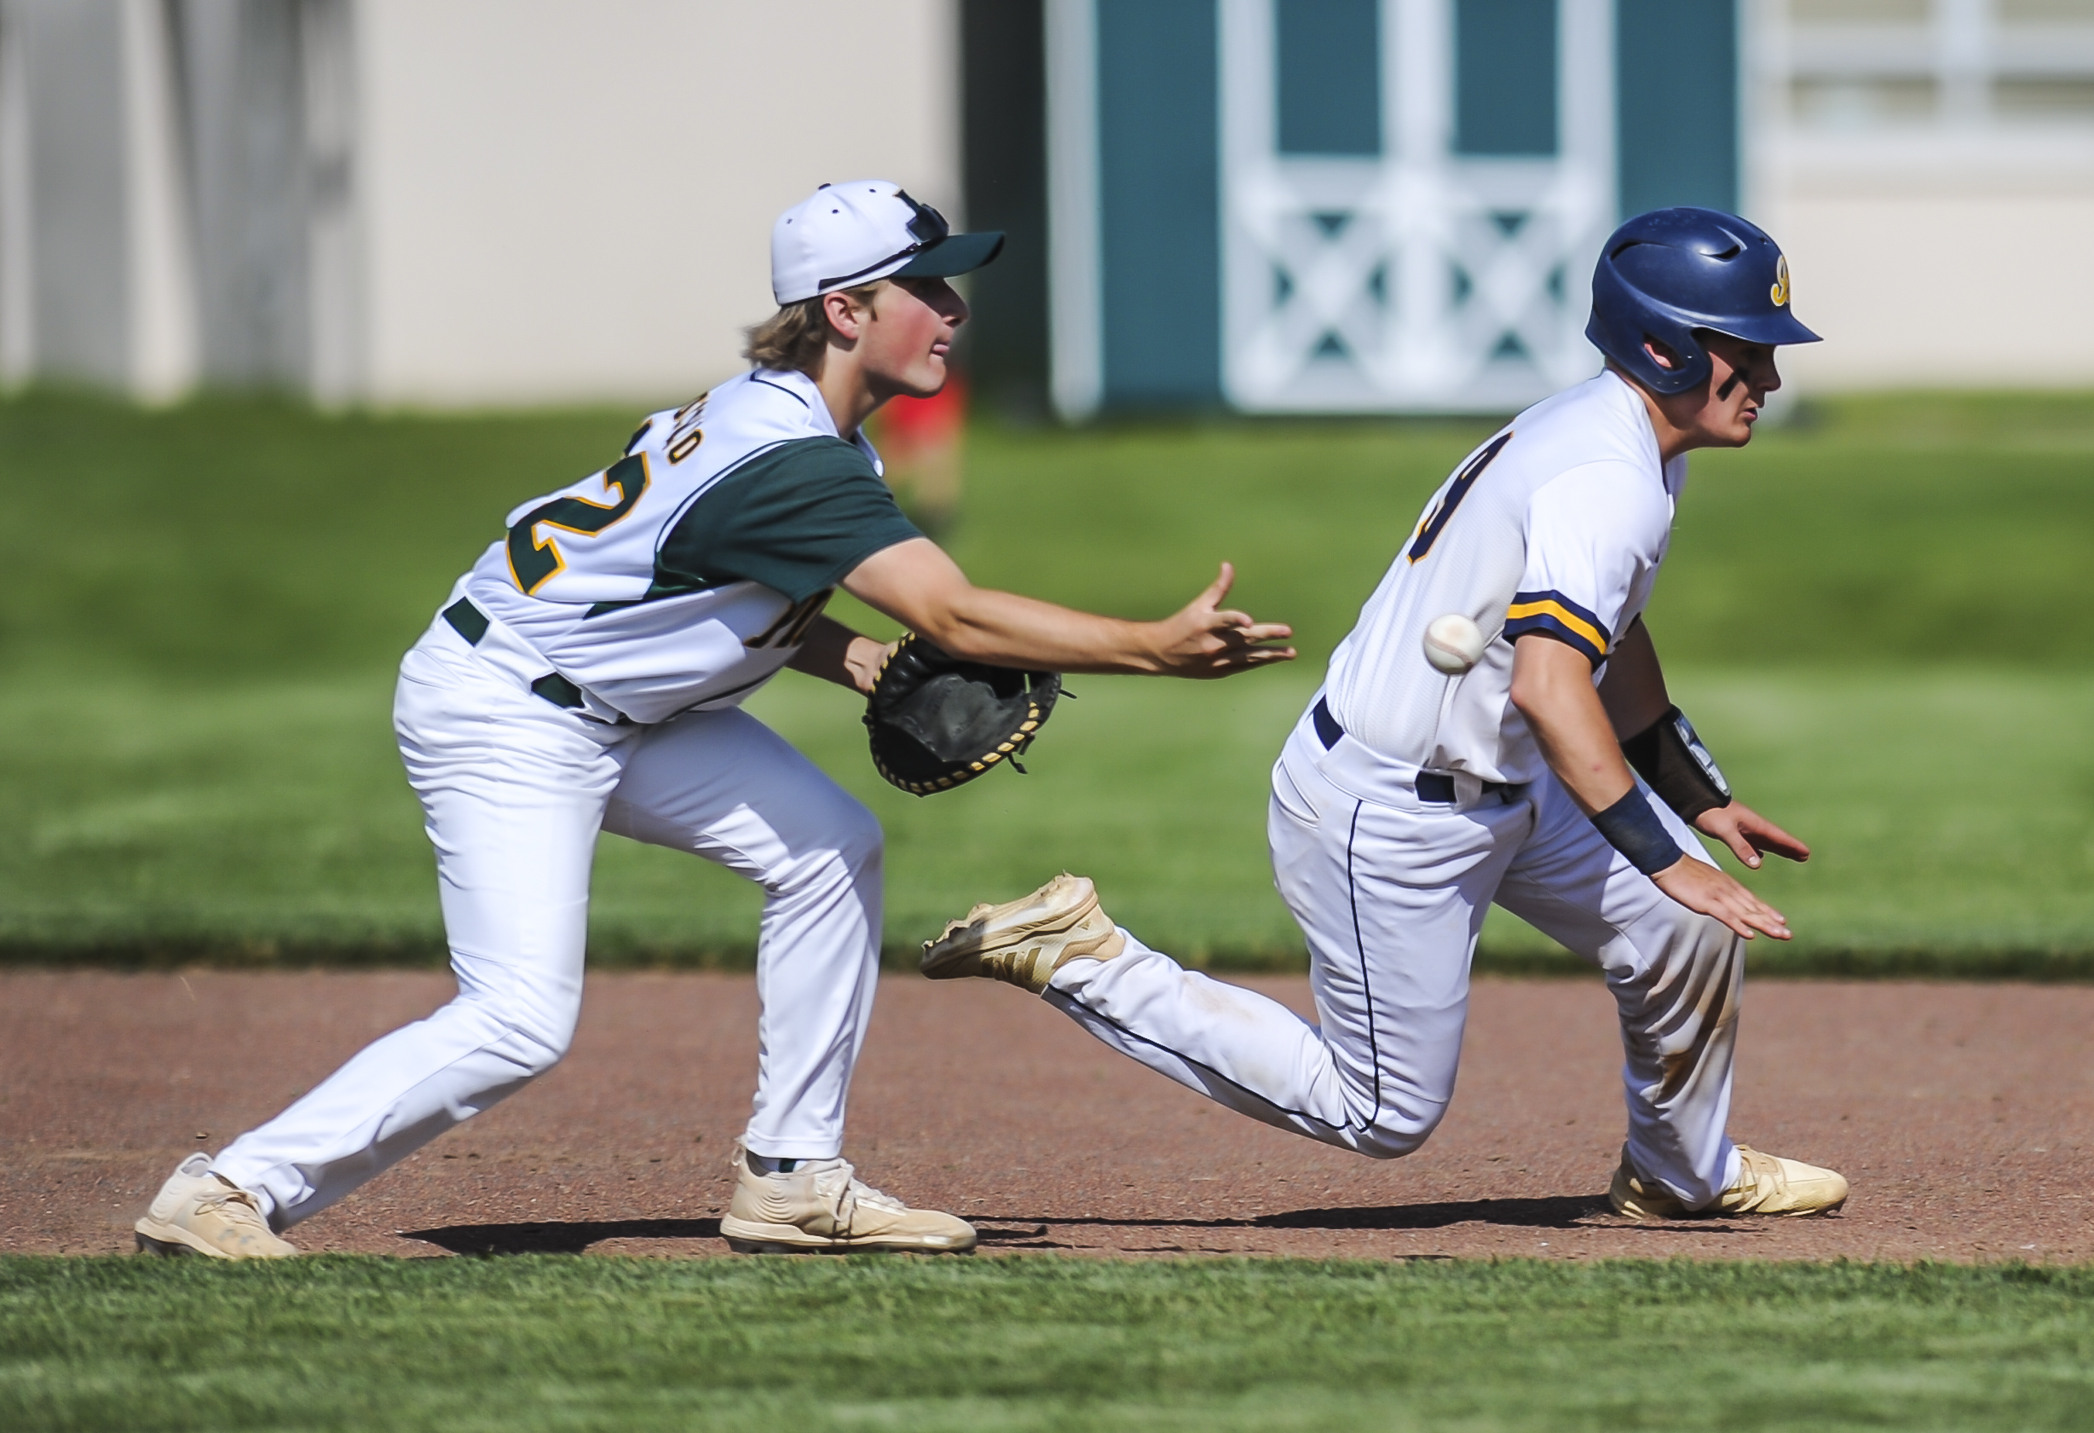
(1419, 279)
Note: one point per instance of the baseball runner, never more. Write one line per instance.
(588, 673)
(1473, 741)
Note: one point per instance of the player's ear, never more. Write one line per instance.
(849, 310)
(845, 317)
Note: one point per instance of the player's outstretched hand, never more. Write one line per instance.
(1748, 833)
(1699, 886)
(1206, 639)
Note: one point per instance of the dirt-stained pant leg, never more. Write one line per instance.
(1391, 901)
(1677, 978)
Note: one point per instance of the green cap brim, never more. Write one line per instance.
(954, 254)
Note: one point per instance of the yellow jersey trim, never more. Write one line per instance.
(1562, 614)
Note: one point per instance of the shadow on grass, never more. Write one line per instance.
(1031, 1230)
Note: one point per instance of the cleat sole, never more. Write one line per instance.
(772, 1246)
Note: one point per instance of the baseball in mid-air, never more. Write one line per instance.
(1453, 644)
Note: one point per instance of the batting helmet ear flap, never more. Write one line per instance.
(1624, 318)
(1689, 361)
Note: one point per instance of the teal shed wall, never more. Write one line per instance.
(1159, 197)
(1158, 179)
(1676, 103)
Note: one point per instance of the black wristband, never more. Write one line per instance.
(1633, 829)
(1678, 767)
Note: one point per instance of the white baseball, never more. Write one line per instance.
(1453, 644)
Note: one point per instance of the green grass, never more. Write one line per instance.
(270, 822)
(1874, 615)
(1039, 1343)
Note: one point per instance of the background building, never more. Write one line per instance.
(433, 201)
(1361, 205)
(1395, 202)
(1266, 205)
(1930, 166)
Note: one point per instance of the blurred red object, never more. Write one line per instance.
(910, 424)
(920, 441)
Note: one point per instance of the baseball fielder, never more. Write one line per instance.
(588, 674)
(1473, 741)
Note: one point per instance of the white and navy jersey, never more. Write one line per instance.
(686, 574)
(1555, 526)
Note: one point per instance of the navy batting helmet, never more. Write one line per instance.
(1671, 271)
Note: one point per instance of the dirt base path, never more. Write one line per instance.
(1963, 1114)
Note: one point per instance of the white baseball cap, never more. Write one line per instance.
(850, 234)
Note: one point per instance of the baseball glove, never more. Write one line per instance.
(938, 722)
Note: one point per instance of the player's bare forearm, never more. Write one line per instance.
(917, 584)
(1552, 687)
(1633, 689)
(836, 654)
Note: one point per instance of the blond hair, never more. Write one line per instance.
(797, 335)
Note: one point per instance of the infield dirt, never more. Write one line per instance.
(1962, 1114)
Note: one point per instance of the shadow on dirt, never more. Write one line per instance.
(1554, 1212)
(557, 1238)
(1031, 1231)
(1562, 1211)
(575, 1238)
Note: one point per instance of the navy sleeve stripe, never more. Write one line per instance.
(1551, 614)
(1583, 614)
(1548, 625)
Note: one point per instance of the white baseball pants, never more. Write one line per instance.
(1391, 893)
(514, 791)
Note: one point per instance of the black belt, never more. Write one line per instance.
(470, 623)
(1435, 787)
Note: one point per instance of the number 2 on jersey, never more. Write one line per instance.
(534, 559)
(1436, 521)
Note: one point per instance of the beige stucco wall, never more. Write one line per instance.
(562, 201)
(1936, 225)
(1978, 290)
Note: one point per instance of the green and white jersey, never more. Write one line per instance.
(685, 574)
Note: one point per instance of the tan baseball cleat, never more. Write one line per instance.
(200, 1212)
(821, 1208)
(1767, 1184)
(1023, 942)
